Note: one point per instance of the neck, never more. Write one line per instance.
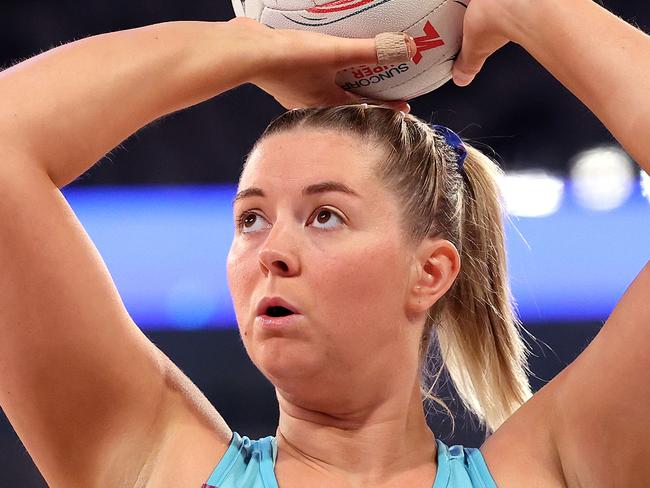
(365, 447)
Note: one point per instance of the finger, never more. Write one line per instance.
(472, 57)
(340, 97)
(465, 70)
(397, 105)
(388, 48)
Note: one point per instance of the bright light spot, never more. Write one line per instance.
(603, 178)
(645, 184)
(532, 193)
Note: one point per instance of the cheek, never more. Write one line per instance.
(365, 285)
(241, 275)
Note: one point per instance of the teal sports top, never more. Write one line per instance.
(250, 464)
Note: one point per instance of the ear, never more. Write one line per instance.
(436, 265)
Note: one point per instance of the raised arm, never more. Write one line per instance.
(94, 402)
(601, 59)
(66, 108)
(602, 400)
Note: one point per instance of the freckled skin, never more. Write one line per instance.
(355, 325)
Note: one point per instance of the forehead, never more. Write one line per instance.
(303, 156)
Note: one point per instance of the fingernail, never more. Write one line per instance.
(462, 79)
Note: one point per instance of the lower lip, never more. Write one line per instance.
(277, 322)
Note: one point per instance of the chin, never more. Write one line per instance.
(288, 369)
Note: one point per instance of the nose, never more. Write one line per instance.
(276, 256)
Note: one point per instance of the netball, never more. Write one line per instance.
(436, 26)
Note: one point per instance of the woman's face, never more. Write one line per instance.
(339, 258)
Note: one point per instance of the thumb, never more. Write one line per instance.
(475, 50)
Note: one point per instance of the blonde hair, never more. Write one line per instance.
(473, 328)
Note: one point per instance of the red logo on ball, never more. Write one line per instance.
(430, 40)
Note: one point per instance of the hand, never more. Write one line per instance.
(298, 68)
(485, 30)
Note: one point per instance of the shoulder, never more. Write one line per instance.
(603, 402)
(566, 433)
(193, 437)
(523, 451)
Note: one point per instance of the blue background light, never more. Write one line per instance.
(166, 249)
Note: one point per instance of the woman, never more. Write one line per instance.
(326, 220)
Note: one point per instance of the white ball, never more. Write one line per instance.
(436, 25)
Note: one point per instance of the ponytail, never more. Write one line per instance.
(477, 332)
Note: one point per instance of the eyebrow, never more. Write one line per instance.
(322, 187)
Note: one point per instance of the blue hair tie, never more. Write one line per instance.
(454, 141)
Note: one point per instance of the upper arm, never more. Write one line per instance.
(79, 382)
(603, 399)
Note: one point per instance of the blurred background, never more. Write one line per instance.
(158, 209)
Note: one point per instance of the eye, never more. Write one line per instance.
(324, 215)
(247, 220)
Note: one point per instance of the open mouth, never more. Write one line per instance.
(278, 312)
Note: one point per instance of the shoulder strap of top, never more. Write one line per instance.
(251, 462)
(274, 447)
(461, 467)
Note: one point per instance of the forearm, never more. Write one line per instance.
(603, 60)
(67, 107)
